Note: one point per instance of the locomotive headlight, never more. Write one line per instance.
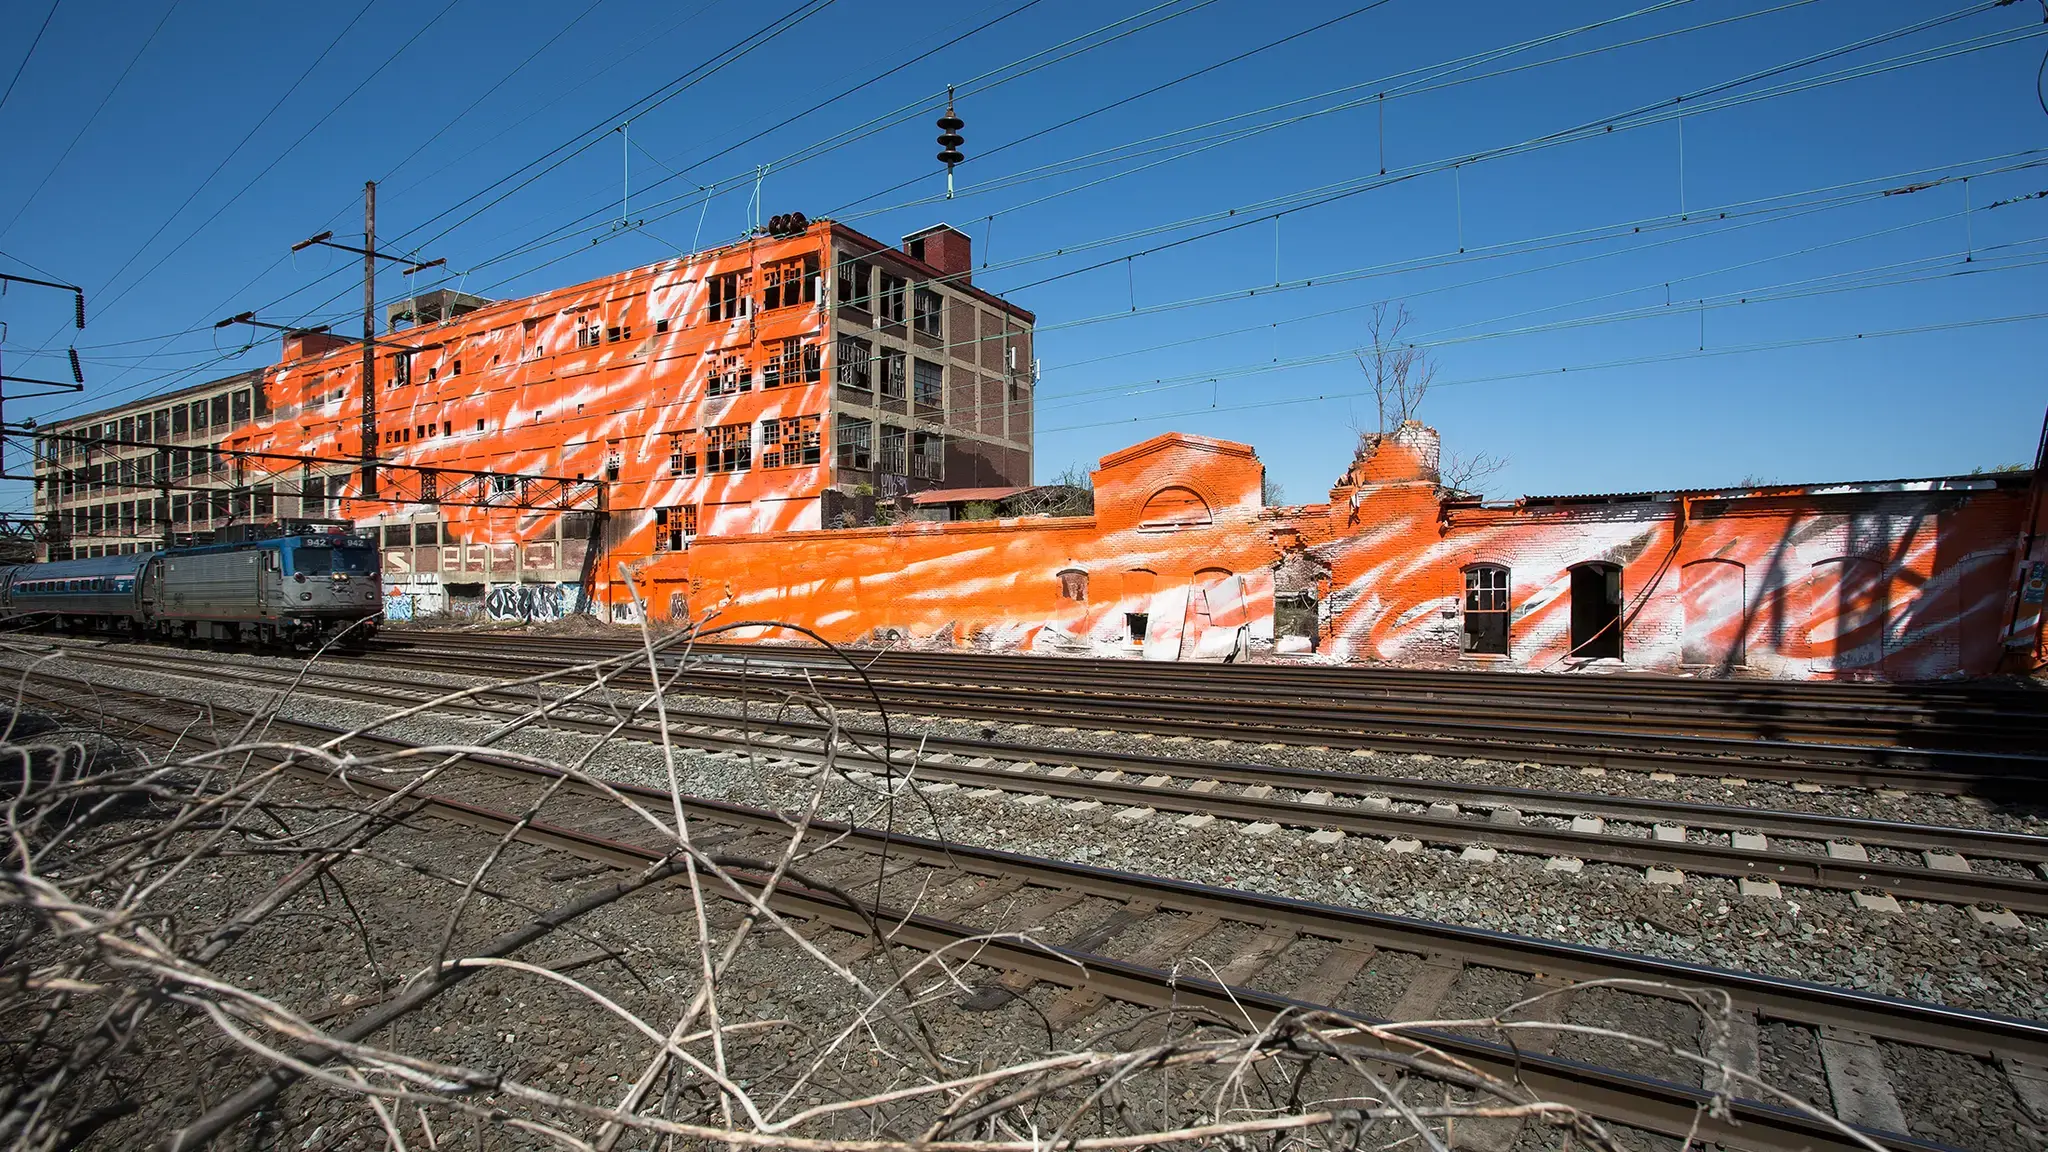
(305, 595)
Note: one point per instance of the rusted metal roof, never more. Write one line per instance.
(964, 495)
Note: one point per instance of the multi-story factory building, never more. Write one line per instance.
(108, 481)
(778, 383)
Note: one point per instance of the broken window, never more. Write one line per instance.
(587, 337)
(729, 448)
(894, 386)
(730, 296)
(163, 425)
(220, 410)
(127, 428)
(928, 311)
(1596, 611)
(790, 441)
(401, 370)
(797, 362)
(927, 455)
(889, 290)
(853, 284)
(929, 389)
(1135, 624)
(893, 455)
(851, 369)
(1486, 609)
(787, 283)
(673, 527)
(1073, 584)
(730, 374)
(856, 442)
(682, 453)
(241, 403)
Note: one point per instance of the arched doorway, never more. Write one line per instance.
(1596, 611)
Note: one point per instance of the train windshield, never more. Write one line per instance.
(316, 560)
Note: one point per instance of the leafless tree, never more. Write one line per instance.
(1465, 475)
(1398, 373)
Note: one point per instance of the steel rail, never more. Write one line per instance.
(788, 739)
(1638, 1101)
(1937, 771)
(1995, 698)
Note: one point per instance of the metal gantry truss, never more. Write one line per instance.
(232, 478)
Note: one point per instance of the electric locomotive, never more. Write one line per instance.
(292, 583)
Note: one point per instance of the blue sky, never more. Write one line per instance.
(1705, 283)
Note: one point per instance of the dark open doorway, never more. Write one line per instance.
(1596, 611)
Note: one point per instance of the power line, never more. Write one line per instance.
(1563, 370)
(90, 120)
(32, 45)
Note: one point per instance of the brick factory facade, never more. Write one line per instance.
(775, 384)
(744, 410)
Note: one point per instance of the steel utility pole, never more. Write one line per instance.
(370, 341)
(369, 487)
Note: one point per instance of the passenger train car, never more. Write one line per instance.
(285, 584)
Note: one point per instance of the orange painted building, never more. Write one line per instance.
(1914, 579)
(775, 384)
(745, 409)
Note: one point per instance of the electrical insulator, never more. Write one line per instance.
(79, 315)
(77, 373)
(790, 224)
(950, 140)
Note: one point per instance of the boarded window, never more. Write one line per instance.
(790, 441)
(1845, 615)
(1712, 592)
(1073, 584)
(1174, 508)
(682, 453)
(730, 374)
(1486, 609)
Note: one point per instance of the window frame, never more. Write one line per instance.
(1485, 610)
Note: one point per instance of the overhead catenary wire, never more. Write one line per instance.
(30, 54)
(1560, 371)
(89, 120)
(1239, 216)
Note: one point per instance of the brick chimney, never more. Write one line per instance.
(945, 248)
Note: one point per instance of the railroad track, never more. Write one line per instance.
(1997, 874)
(1966, 716)
(1123, 934)
(1501, 735)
